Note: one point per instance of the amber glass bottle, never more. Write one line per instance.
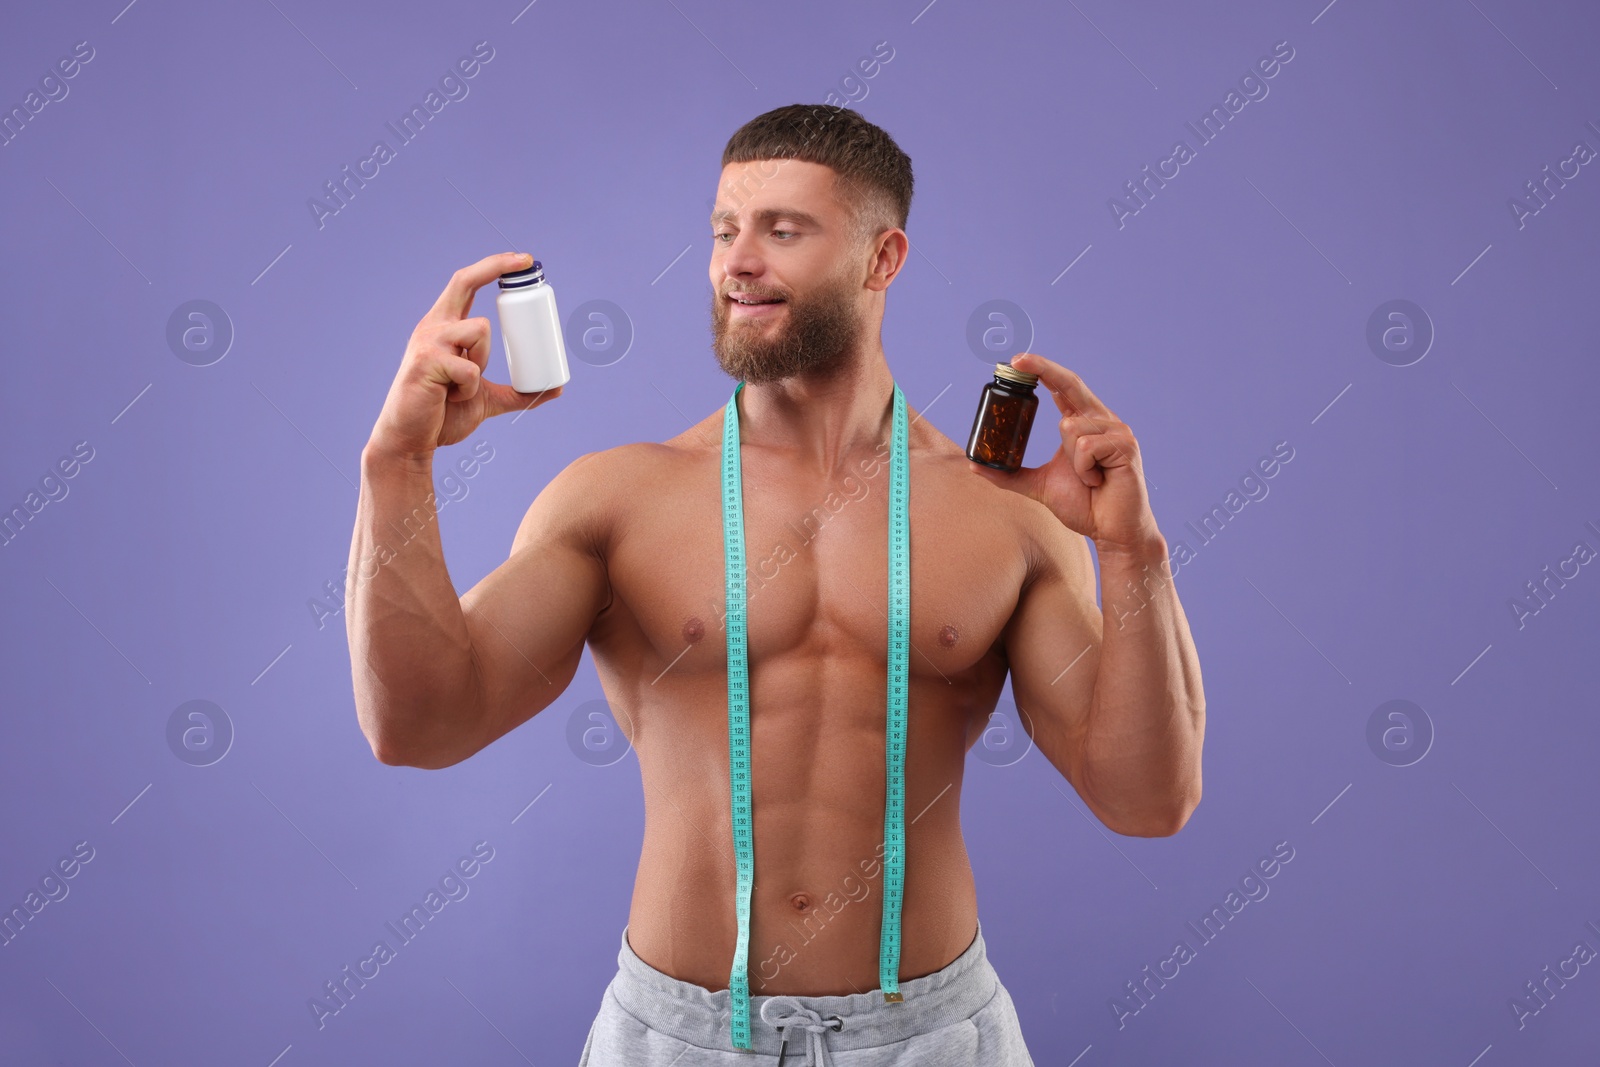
(1005, 415)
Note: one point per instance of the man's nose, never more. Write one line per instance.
(741, 256)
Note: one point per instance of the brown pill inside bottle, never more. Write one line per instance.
(1005, 415)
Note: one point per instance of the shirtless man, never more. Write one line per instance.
(623, 550)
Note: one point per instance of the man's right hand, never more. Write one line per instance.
(440, 395)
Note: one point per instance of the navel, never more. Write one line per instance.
(694, 629)
(801, 901)
(949, 636)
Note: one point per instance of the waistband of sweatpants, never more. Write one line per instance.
(704, 1017)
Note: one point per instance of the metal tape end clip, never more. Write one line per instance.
(893, 998)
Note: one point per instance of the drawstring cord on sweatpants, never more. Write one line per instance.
(811, 1020)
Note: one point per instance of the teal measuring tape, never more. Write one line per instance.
(898, 688)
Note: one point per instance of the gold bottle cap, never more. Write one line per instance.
(1010, 373)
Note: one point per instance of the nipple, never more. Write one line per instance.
(694, 629)
(949, 636)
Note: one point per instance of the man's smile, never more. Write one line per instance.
(749, 305)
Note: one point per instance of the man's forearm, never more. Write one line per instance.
(410, 650)
(1147, 718)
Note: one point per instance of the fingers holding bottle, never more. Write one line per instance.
(440, 394)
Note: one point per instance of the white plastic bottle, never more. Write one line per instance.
(530, 328)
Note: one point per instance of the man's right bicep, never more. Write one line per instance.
(528, 617)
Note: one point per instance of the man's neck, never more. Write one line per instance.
(821, 422)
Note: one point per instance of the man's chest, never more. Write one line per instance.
(817, 573)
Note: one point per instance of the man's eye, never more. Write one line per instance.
(717, 237)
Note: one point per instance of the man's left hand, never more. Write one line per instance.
(1095, 481)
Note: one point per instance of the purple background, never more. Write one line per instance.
(1228, 315)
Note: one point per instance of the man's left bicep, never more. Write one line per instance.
(1053, 648)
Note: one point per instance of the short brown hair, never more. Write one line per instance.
(871, 173)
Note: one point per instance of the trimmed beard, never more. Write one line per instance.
(816, 338)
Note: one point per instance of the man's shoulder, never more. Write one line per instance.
(592, 485)
(1048, 546)
(602, 495)
(634, 463)
(618, 479)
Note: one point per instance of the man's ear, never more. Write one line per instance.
(889, 250)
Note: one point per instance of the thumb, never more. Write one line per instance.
(500, 398)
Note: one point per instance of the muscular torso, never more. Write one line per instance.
(817, 588)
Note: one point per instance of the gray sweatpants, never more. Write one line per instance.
(960, 1015)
